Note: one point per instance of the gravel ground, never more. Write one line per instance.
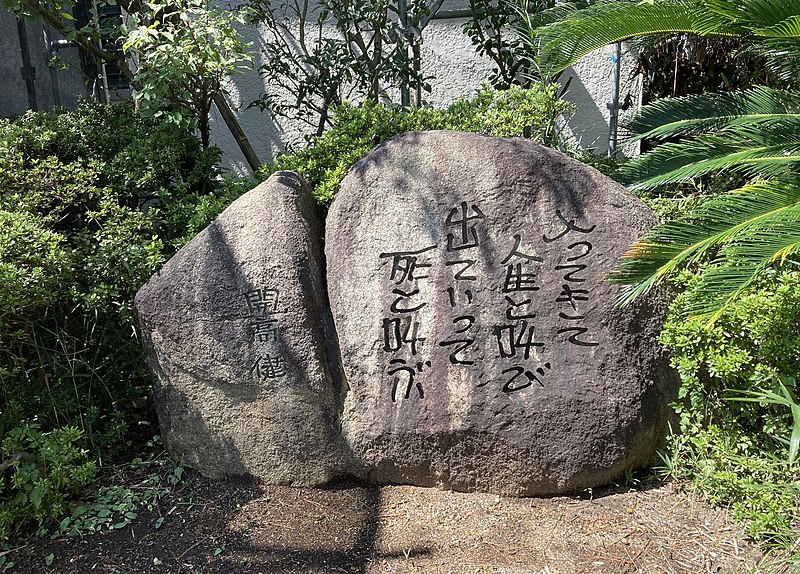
(243, 527)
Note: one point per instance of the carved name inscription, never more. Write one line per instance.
(514, 341)
(262, 305)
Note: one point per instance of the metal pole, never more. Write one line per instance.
(106, 97)
(614, 105)
(28, 71)
(402, 11)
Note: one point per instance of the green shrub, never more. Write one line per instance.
(737, 452)
(76, 246)
(45, 470)
(357, 129)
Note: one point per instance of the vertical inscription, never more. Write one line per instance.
(262, 305)
(572, 295)
(460, 258)
(518, 338)
(400, 326)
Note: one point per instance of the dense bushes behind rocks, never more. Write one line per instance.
(75, 245)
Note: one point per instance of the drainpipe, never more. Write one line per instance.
(402, 11)
(52, 50)
(614, 105)
(27, 70)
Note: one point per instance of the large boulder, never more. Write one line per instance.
(480, 343)
(233, 330)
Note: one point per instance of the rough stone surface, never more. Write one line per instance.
(479, 341)
(233, 329)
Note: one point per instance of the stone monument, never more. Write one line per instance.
(462, 334)
(233, 328)
(480, 342)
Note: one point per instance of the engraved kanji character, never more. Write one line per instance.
(570, 295)
(464, 343)
(459, 276)
(402, 366)
(451, 292)
(395, 308)
(568, 226)
(508, 344)
(399, 331)
(577, 331)
(261, 301)
(405, 263)
(515, 252)
(585, 244)
(468, 237)
(519, 279)
(268, 367)
(574, 338)
(510, 315)
(576, 268)
(265, 330)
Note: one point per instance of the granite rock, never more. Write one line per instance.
(480, 343)
(233, 327)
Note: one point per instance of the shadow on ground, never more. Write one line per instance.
(233, 526)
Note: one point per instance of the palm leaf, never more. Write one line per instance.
(785, 398)
(753, 225)
(584, 31)
(671, 117)
(756, 16)
(743, 259)
(760, 150)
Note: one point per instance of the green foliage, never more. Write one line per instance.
(750, 134)
(75, 248)
(187, 214)
(357, 129)
(115, 506)
(319, 56)
(753, 344)
(740, 452)
(729, 469)
(185, 49)
(45, 469)
(492, 32)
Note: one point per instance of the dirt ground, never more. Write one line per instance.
(242, 527)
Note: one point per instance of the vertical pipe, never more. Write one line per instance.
(614, 105)
(106, 98)
(417, 57)
(402, 12)
(28, 71)
(50, 53)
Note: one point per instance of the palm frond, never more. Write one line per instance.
(759, 150)
(671, 117)
(783, 58)
(683, 162)
(584, 31)
(753, 14)
(750, 229)
(789, 28)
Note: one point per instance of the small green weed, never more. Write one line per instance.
(116, 506)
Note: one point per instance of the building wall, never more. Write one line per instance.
(61, 85)
(448, 55)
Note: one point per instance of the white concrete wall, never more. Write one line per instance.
(449, 56)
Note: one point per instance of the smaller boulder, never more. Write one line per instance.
(233, 330)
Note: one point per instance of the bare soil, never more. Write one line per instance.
(243, 527)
